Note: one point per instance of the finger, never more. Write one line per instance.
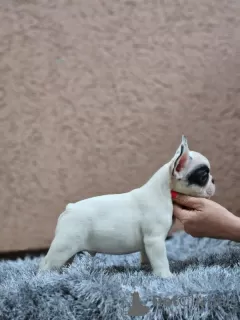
(176, 226)
(187, 201)
(180, 213)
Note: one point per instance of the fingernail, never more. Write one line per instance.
(174, 194)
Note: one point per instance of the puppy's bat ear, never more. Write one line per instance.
(180, 159)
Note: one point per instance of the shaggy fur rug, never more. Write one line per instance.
(205, 286)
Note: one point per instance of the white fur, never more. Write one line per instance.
(138, 220)
(117, 224)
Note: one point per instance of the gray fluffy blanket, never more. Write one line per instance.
(206, 285)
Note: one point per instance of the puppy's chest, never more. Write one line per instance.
(160, 214)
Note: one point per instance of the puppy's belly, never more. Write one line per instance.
(115, 241)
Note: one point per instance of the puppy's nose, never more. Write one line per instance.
(213, 181)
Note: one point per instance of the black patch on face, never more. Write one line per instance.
(199, 176)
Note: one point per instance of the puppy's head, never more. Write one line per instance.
(190, 172)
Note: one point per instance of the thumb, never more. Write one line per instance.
(188, 202)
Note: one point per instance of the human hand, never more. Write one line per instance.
(204, 218)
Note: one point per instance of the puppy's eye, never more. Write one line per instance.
(204, 177)
(199, 176)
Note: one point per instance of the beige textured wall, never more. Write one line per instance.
(94, 96)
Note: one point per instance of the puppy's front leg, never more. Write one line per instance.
(156, 251)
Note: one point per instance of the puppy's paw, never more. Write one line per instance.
(167, 275)
(163, 273)
(43, 266)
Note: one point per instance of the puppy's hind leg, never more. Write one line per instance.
(62, 249)
(144, 258)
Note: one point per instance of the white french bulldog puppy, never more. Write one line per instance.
(138, 220)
